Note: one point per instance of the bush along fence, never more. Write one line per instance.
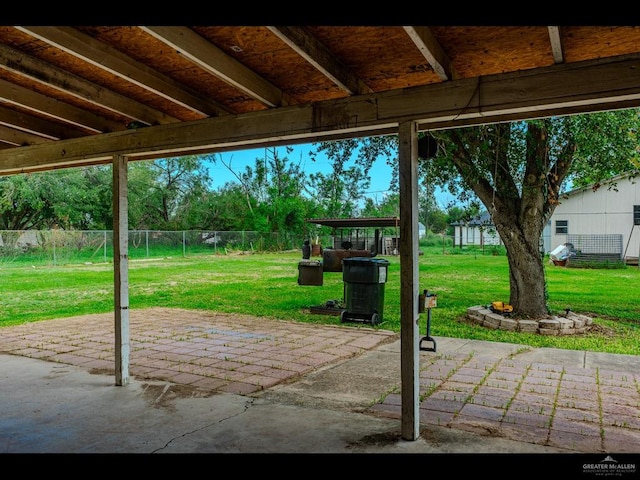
(59, 247)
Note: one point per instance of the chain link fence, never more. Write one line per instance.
(59, 247)
(63, 247)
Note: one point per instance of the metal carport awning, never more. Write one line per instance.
(363, 222)
(359, 223)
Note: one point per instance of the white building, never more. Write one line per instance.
(611, 211)
(478, 231)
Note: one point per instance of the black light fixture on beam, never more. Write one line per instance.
(427, 147)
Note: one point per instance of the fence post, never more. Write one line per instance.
(104, 249)
(184, 244)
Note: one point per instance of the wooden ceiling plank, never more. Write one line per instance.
(20, 137)
(314, 52)
(47, 74)
(102, 56)
(210, 58)
(36, 125)
(49, 107)
(427, 43)
(593, 85)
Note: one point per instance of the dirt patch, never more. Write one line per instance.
(600, 330)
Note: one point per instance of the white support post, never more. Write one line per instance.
(121, 268)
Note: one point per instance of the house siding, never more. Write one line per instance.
(604, 211)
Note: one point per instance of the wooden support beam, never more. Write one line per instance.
(555, 90)
(409, 281)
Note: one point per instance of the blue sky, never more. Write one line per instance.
(380, 177)
(380, 173)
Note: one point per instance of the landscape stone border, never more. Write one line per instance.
(569, 324)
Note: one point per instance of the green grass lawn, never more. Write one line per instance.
(265, 285)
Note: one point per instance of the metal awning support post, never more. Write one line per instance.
(409, 281)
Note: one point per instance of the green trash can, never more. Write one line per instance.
(364, 279)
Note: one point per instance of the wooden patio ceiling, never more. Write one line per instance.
(73, 96)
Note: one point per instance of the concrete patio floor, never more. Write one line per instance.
(210, 383)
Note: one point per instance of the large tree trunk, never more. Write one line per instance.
(518, 214)
(513, 173)
(527, 283)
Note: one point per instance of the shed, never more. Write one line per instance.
(479, 231)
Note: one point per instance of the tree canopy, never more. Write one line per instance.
(518, 171)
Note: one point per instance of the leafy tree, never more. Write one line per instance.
(437, 221)
(519, 171)
(282, 185)
(340, 192)
(434, 219)
(459, 213)
(93, 199)
(74, 198)
(336, 196)
(215, 210)
(274, 195)
(26, 202)
(165, 190)
(389, 206)
(228, 209)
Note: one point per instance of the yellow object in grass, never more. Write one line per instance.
(501, 307)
